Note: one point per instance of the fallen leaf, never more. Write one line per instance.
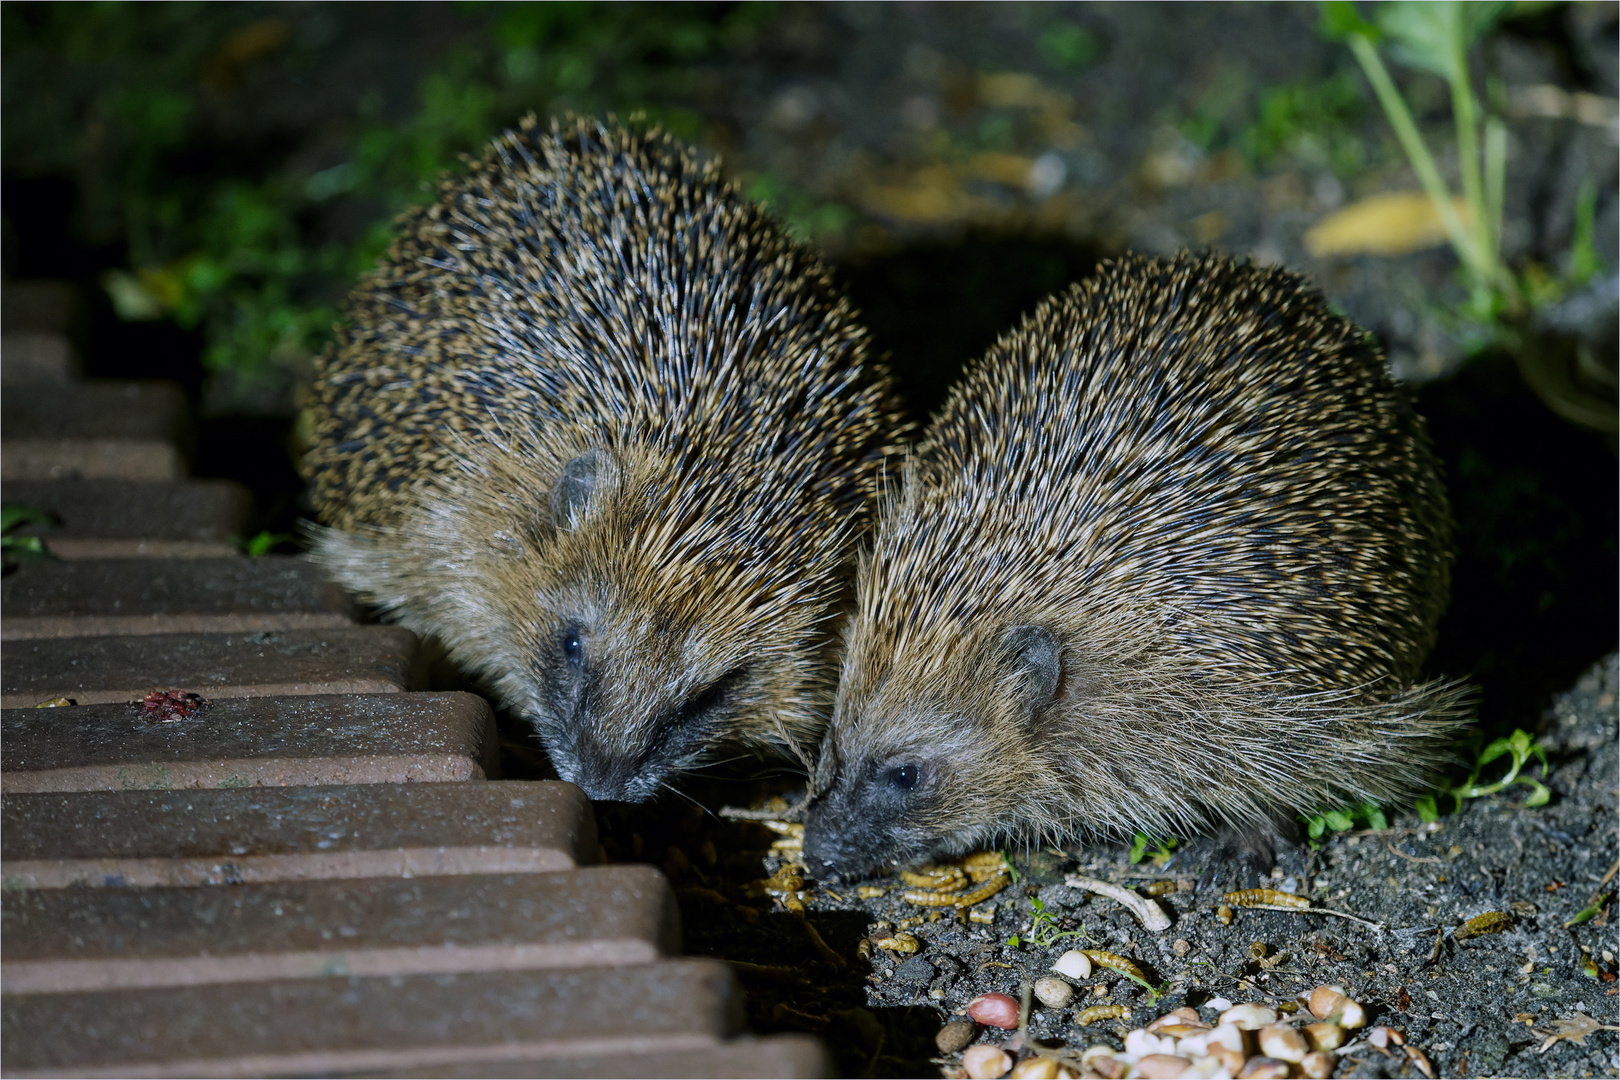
(1573, 1029)
(1395, 223)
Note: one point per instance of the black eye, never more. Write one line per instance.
(573, 645)
(905, 777)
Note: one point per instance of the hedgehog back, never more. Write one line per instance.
(1192, 444)
(602, 279)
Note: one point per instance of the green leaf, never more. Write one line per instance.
(1435, 35)
(1067, 46)
(1339, 820)
(1539, 794)
(1495, 750)
(13, 515)
(1339, 19)
(1316, 826)
(1426, 809)
(1139, 846)
(1375, 816)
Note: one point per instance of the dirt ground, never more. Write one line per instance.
(1522, 1001)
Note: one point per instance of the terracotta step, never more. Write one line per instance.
(371, 1024)
(37, 358)
(63, 940)
(248, 742)
(98, 519)
(169, 596)
(120, 839)
(99, 429)
(773, 1055)
(98, 670)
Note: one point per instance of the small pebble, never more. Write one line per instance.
(1261, 1068)
(1074, 964)
(1181, 948)
(994, 1010)
(984, 1062)
(1317, 1065)
(1229, 1059)
(1162, 1066)
(1282, 1042)
(955, 1035)
(1100, 1059)
(1325, 1036)
(1053, 993)
(1249, 1017)
(1219, 1004)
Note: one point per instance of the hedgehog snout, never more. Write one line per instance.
(869, 818)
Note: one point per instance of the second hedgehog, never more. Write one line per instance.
(1168, 559)
(603, 430)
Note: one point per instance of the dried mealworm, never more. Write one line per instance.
(1101, 1012)
(1274, 897)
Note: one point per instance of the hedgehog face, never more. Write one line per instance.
(903, 774)
(620, 714)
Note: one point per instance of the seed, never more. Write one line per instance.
(955, 1035)
(1162, 1066)
(1325, 1036)
(1282, 1042)
(994, 1010)
(1331, 1004)
(1249, 1017)
(902, 943)
(1182, 1015)
(870, 892)
(1115, 962)
(984, 1062)
(1101, 1060)
(1263, 1068)
(1035, 1068)
(1074, 963)
(1160, 888)
(1053, 993)
(1231, 1060)
(1087, 1017)
(1317, 1065)
(1224, 914)
(1491, 922)
(1275, 897)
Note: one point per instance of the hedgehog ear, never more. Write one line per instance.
(580, 479)
(1034, 654)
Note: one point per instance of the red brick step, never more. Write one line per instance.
(248, 742)
(371, 1024)
(774, 1055)
(101, 670)
(216, 837)
(101, 429)
(169, 596)
(63, 940)
(119, 519)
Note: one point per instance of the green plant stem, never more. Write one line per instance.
(1495, 176)
(1465, 111)
(1400, 118)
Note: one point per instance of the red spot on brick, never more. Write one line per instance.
(165, 706)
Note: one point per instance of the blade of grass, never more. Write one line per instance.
(1400, 118)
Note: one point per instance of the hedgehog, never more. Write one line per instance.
(1167, 561)
(601, 428)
